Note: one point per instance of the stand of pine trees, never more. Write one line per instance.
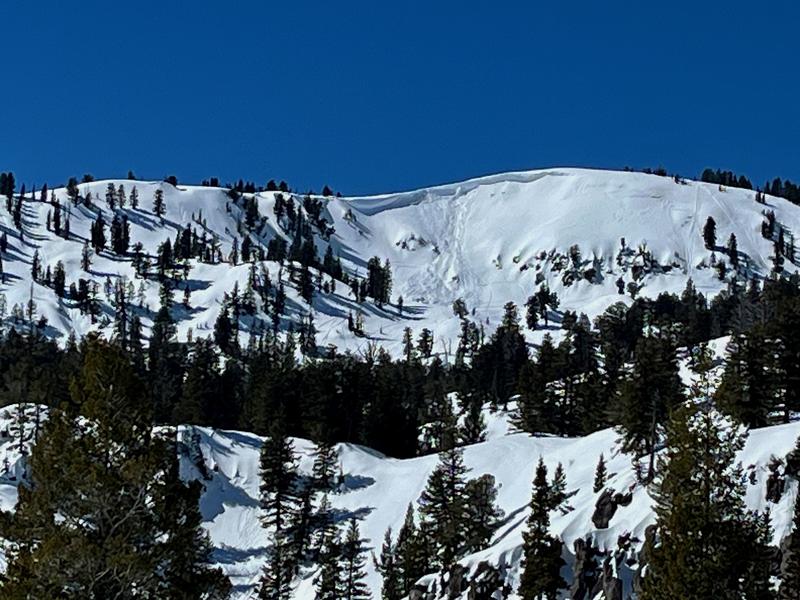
(105, 514)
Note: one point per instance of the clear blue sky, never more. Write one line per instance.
(380, 96)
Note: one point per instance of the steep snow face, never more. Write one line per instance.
(488, 241)
(378, 489)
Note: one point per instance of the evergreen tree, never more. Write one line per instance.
(541, 578)
(324, 468)
(482, 516)
(748, 387)
(790, 576)
(411, 552)
(328, 581)
(443, 507)
(473, 427)
(707, 543)
(600, 475)
(105, 513)
(159, 208)
(733, 251)
(352, 565)
(278, 471)
(134, 198)
(388, 568)
(276, 578)
(710, 233)
(647, 395)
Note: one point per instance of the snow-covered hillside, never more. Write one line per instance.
(378, 490)
(488, 241)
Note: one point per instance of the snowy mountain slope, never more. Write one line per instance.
(489, 241)
(378, 489)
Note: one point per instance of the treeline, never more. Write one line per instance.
(600, 374)
(777, 187)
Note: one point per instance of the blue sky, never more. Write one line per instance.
(382, 96)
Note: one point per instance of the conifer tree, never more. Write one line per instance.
(324, 468)
(747, 390)
(159, 208)
(443, 507)
(105, 512)
(482, 516)
(473, 427)
(328, 581)
(134, 198)
(707, 544)
(352, 565)
(600, 475)
(411, 552)
(710, 233)
(388, 568)
(541, 578)
(733, 251)
(276, 578)
(647, 394)
(279, 478)
(790, 576)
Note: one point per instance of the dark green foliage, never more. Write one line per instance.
(647, 395)
(352, 565)
(443, 507)
(600, 475)
(125, 519)
(790, 576)
(279, 479)
(387, 566)
(710, 233)
(708, 545)
(542, 562)
(482, 516)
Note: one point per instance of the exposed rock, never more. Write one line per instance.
(604, 509)
(792, 463)
(775, 482)
(586, 583)
(612, 586)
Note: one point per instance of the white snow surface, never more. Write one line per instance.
(485, 240)
(378, 490)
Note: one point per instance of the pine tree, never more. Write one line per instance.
(411, 552)
(328, 581)
(388, 568)
(473, 427)
(276, 578)
(482, 516)
(647, 395)
(542, 562)
(159, 208)
(352, 565)
(600, 475)
(748, 387)
(707, 543)
(443, 507)
(324, 468)
(733, 251)
(105, 512)
(790, 576)
(710, 233)
(278, 471)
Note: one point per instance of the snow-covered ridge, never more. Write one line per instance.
(488, 241)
